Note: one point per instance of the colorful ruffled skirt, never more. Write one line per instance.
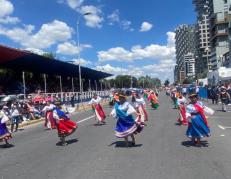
(66, 127)
(197, 128)
(4, 133)
(125, 127)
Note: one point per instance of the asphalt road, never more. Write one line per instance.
(162, 151)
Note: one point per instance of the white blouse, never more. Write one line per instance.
(126, 107)
(95, 101)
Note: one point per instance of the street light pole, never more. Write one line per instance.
(80, 76)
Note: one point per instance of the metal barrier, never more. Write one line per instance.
(77, 96)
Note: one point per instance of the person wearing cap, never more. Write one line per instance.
(225, 98)
(181, 103)
(99, 112)
(65, 126)
(126, 125)
(198, 125)
(5, 135)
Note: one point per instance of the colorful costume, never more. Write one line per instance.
(4, 133)
(154, 100)
(140, 106)
(50, 122)
(198, 127)
(125, 125)
(65, 126)
(98, 109)
(181, 102)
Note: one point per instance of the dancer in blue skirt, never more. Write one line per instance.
(198, 125)
(126, 125)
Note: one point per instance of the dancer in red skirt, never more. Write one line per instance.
(99, 113)
(65, 126)
(181, 103)
(49, 120)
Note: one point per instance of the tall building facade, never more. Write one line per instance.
(202, 35)
(219, 36)
(185, 51)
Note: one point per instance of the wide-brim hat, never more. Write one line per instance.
(193, 95)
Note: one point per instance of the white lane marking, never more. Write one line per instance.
(86, 119)
(222, 135)
(221, 127)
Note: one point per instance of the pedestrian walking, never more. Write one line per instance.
(198, 125)
(225, 98)
(214, 93)
(15, 117)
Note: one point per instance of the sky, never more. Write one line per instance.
(133, 37)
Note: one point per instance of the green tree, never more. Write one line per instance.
(49, 55)
(166, 83)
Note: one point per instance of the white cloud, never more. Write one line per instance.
(74, 3)
(36, 51)
(114, 17)
(6, 8)
(68, 48)
(9, 20)
(152, 51)
(93, 20)
(126, 25)
(162, 66)
(146, 26)
(82, 61)
(49, 34)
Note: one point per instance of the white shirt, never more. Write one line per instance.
(139, 101)
(95, 101)
(48, 108)
(126, 107)
(3, 117)
(184, 90)
(181, 101)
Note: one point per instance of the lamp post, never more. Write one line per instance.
(80, 77)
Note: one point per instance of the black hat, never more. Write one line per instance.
(193, 95)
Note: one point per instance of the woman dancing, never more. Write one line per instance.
(126, 125)
(65, 125)
(198, 125)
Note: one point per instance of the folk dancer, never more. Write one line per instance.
(5, 135)
(153, 100)
(181, 103)
(65, 126)
(198, 125)
(126, 125)
(140, 107)
(49, 119)
(97, 108)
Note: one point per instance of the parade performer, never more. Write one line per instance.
(141, 109)
(5, 135)
(49, 119)
(198, 125)
(145, 94)
(111, 99)
(126, 125)
(154, 100)
(181, 102)
(99, 113)
(65, 125)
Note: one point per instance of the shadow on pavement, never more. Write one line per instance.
(192, 144)
(71, 141)
(122, 144)
(5, 146)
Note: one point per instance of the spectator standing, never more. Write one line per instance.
(15, 117)
(214, 93)
(225, 98)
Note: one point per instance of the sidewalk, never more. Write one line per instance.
(79, 108)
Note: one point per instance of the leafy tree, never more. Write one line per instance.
(166, 83)
(49, 55)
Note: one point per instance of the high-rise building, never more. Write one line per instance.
(219, 37)
(185, 47)
(202, 36)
